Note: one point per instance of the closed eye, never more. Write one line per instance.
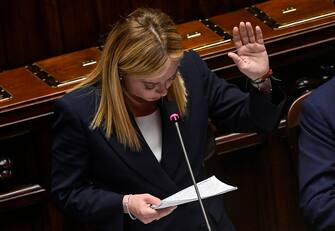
(150, 86)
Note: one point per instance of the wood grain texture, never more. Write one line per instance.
(33, 30)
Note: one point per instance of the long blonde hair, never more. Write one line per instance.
(141, 43)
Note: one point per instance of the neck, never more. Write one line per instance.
(141, 107)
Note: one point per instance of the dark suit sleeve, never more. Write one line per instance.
(71, 185)
(236, 111)
(317, 168)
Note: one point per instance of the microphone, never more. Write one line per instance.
(174, 117)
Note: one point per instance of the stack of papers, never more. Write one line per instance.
(207, 188)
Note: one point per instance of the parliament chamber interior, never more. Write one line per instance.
(49, 46)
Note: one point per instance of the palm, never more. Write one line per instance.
(251, 58)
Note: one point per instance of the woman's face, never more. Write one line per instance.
(153, 86)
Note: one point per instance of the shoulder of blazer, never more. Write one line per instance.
(189, 59)
(324, 95)
(81, 94)
(84, 101)
(192, 67)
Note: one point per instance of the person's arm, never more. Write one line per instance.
(260, 110)
(71, 185)
(74, 191)
(232, 110)
(317, 168)
(251, 56)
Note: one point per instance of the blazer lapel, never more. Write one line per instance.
(144, 163)
(172, 155)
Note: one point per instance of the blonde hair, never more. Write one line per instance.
(141, 43)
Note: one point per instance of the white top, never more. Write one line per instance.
(151, 129)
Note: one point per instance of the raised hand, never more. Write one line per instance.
(251, 57)
(139, 206)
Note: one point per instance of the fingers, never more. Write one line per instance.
(139, 206)
(259, 35)
(149, 199)
(237, 38)
(245, 34)
(250, 32)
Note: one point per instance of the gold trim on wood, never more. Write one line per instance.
(211, 45)
(268, 20)
(192, 35)
(288, 10)
(88, 62)
(286, 25)
(4, 95)
(22, 192)
(226, 37)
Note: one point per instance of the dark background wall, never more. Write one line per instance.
(32, 30)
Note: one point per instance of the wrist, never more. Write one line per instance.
(264, 87)
(263, 78)
(263, 83)
(124, 203)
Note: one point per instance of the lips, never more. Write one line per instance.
(154, 99)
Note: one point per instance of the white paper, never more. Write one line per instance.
(207, 188)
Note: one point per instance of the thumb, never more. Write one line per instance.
(149, 199)
(237, 60)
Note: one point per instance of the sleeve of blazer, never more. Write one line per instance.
(70, 184)
(238, 111)
(317, 167)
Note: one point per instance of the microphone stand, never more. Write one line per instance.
(174, 118)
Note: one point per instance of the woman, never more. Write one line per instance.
(115, 154)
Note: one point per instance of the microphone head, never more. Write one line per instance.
(172, 110)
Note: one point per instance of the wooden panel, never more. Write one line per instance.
(23, 32)
(3, 58)
(24, 196)
(235, 5)
(53, 33)
(26, 219)
(288, 13)
(196, 35)
(38, 29)
(109, 12)
(78, 23)
(243, 169)
(70, 67)
(228, 21)
(283, 46)
(267, 197)
(24, 87)
(24, 144)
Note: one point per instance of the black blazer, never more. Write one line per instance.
(90, 173)
(317, 157)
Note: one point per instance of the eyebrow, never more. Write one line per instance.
(156, 83)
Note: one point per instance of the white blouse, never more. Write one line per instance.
(151, 129)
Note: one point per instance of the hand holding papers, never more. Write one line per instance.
(207, 188)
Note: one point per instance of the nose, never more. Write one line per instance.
(162, 90)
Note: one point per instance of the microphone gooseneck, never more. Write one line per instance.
(174, 117)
